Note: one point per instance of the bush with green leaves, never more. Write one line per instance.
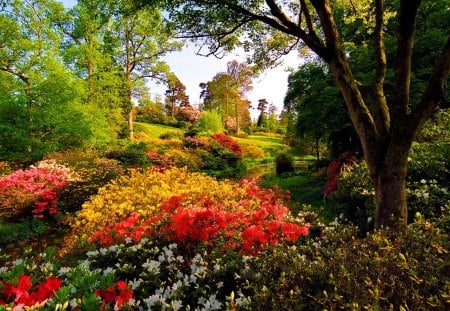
(284, 163)
(130, 154)
(93, 172)
(210, 122)
(427, 187)
(384, 271)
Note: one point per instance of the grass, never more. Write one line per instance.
(264, 142)
(156, 130)
(303, 189)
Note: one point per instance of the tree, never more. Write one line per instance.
(262, 106)
(143, 38)
(176, 96)
(227, 88)
(320, 109)
(386, 126)
(39, 108)
(241, 78)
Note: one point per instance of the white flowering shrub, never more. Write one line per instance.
(165, 277)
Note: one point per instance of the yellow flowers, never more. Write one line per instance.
(144, 192)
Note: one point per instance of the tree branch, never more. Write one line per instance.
(402, 73)
(435, 92)
(381, 111)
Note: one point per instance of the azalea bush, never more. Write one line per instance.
(207, 224)
(91, 172)
(228, 142)
(175, 204)
(31, 192)
(40, 282)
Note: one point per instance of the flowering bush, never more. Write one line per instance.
(243, 213)
(19, 295)
(144, 192)
(227, 142)
(333, 172)
(207, 223)
(31, 192)
(189, 114)
(117, 295)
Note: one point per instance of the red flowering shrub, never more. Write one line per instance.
(258, 220)
(30, 192)
(20, 294)
(227, 142)
(131, 227)
(118, 295)
(158, 159)
(333, 172)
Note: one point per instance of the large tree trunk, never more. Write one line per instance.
(389, 180)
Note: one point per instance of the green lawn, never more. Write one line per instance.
(264, 142)
(156, 130)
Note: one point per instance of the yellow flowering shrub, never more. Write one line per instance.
(181, 158)
(252, 151)
(144, 193)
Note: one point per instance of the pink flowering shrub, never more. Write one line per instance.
(30, 192)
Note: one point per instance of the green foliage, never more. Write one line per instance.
(210, 122)
(14, 233)
(93, 172)
(284, 163)
(383, 271)
(427, 187)
(130, 154)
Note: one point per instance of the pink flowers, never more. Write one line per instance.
(32, 190)
(21, 294)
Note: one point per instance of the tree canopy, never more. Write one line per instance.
(386, 125)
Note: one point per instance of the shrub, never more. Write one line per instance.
(92, 172)
(354, 197)
(384, 271)
(5, 168)
(169, 135)
(430, 161)
(188, 114)
(146, 194)
(180, 158)
(252, 151)
(15, 233)
(133, 154)
(210, 122)
(228, 142)
(284, 163)
(31, 193)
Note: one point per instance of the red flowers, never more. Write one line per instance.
(21, 295)
(227, 142)
(334, 170)
(257, 221)
(118, 294)
(130, 227)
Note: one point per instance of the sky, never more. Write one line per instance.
(192, 69)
